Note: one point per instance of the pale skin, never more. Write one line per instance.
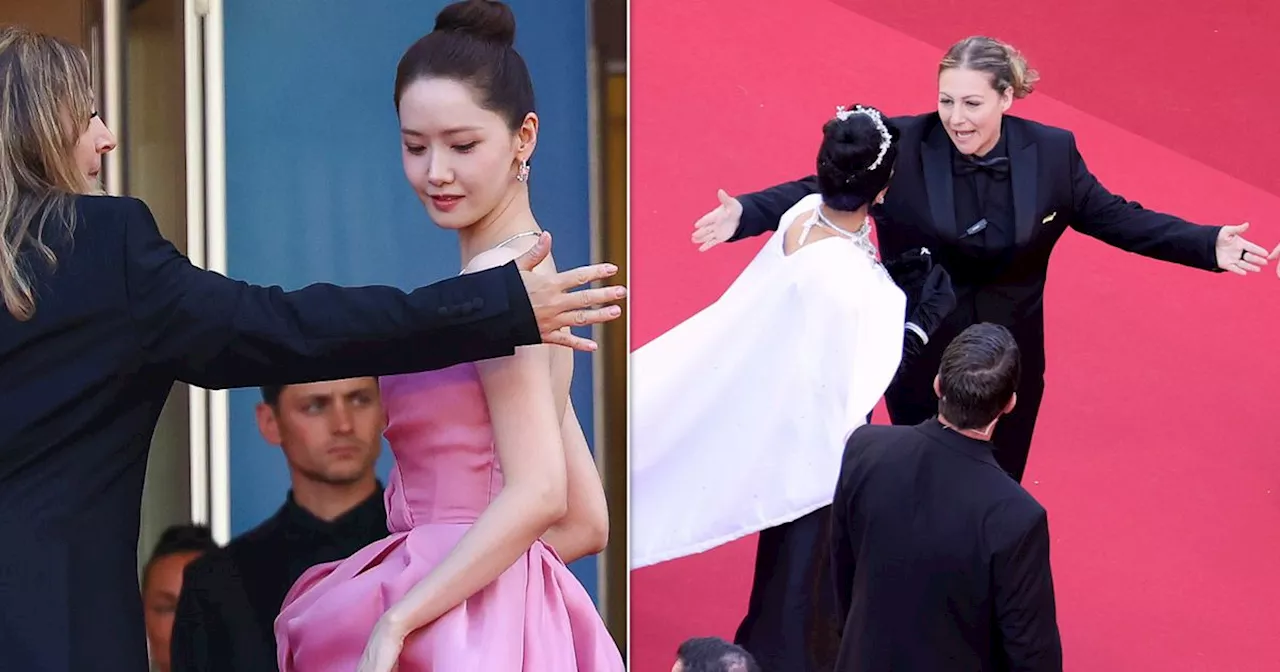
(971, 109)
(162, 586)
(331, 435)
(95, 142)
(850, 222)
(462, 161)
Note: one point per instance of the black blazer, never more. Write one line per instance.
(1052, 189)
(82, 383)
(940, 560)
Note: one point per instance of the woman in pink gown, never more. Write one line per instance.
(493, 487)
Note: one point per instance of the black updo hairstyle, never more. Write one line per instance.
(849, 148)
(472, 42)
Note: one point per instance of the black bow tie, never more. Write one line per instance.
(996, 166)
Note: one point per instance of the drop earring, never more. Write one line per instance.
(522, 175)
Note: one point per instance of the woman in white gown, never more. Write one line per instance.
(740, 414)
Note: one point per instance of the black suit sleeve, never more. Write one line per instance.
(199, 641)
(1131, 227)
(761, 210)
(214, 332)
(1025, 607)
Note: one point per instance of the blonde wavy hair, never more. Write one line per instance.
(46, 103)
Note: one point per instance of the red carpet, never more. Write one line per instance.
(1157, 452)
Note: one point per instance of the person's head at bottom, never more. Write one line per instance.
(712, 654)
(977, 382)
(162, 583)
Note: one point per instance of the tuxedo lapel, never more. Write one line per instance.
(939, 184)
(1023, 167)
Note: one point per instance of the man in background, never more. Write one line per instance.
(713, 654)
(331, 436)
(941, 559)
(178, 546)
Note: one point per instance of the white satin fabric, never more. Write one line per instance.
(740, 414)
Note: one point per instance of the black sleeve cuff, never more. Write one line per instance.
(524, 324)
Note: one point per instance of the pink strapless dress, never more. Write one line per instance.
(534, 617)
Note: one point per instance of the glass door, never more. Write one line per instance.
(148, 61)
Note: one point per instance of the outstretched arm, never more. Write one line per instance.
(761, 210)
(215, 332)
(1133, 228)
(749, 215)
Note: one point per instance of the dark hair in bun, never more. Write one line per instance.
(472, 42)
(851, 169)
(483, 20)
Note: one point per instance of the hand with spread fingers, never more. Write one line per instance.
(719, 225)
(556, 307)
(1238, 255)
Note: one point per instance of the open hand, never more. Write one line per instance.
(719, 225)
(1238, 255)
(556, 308)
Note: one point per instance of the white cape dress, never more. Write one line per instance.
(740, 414)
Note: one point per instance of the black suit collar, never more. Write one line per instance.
(939, 182)
(982, 451)
(936, 155)
(1023, 171)
(372, 511)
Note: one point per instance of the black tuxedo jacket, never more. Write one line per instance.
(1052, 189)
(940, 560)
(123, 317)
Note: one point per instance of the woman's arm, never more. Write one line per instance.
(526, 434)
(526, 421)
(1133, 228)
(761, 210)
(584, 530)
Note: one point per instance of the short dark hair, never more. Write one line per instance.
(978, 376)
(180, 539)
(473, 42)
(713, 654)
(271, 394)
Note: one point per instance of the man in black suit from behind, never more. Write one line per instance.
(940, 560)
